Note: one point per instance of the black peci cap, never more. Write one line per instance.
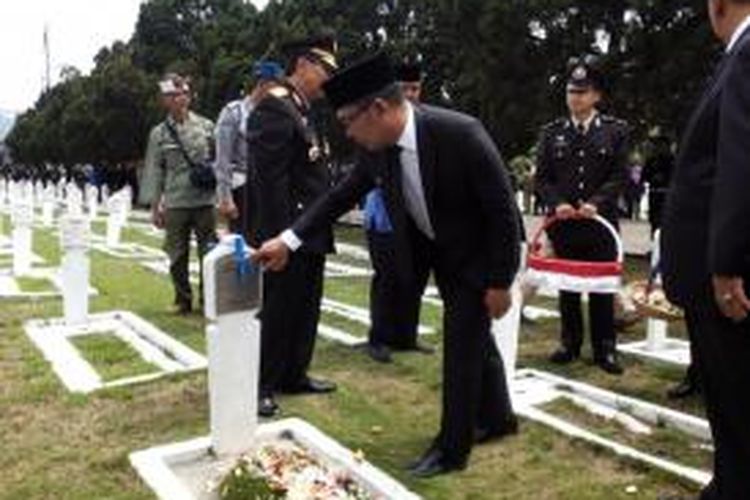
(360, 80)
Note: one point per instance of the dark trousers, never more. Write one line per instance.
(180, 224)
(724, 353)
(475, 390)
(395, 302)
(246, 201)
(585, 240)
(601, 319)
(289, 321)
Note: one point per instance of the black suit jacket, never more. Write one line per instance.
(286, 167)
(706, 224)
(468, 195)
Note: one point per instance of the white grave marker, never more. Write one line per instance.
(233, 299)
(115, 219)
(74, 241)
(22, 219)
(74, 199)
(48, 205)
(92, 201)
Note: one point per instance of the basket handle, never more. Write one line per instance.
(535, 246)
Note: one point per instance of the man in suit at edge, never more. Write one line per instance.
(286, 155)
(449, 198)
(395, 303)
(706, 247)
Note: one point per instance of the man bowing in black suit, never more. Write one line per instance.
(452, 208)
(706, 247)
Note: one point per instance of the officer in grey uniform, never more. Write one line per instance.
(175, 147)
(237, 200)
(581, 173)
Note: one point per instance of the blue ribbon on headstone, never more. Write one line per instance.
(243, 264)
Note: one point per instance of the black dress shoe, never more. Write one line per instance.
(378, 352)
(683, 390)
(310, 386)
(609, 364)
(484, 435)
(434, 463)
(267, 407)
(563, 356)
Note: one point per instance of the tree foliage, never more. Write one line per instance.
(501, 60)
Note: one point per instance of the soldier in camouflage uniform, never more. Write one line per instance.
(177, 205)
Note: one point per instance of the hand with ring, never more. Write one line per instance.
(729, 293)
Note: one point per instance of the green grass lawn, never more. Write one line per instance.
(111, 357)
(34, 285)
(57, 445)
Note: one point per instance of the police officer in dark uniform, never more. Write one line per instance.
(581, 173)
(286, 158)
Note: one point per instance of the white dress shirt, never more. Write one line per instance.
(744, 25)
(585, 123)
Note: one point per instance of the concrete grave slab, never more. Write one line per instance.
(10, 289)
(53, 338)
(532, 389)
(671, 351)
(188, 470)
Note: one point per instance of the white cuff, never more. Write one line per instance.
(291, 240)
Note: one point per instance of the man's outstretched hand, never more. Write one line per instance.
(272, 255)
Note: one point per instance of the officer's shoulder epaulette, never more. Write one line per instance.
(608, 119)
(279, 92)
(554, 124)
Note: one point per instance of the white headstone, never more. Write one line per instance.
(22, 217)
(74, 243)
(60, 190)
(232, 301)
(92, 200)
(127, 194)
(105, 195)
(48, 205)
(38, 192)
(115, 219)
(656, 329)
(74, 199)
(27, 192)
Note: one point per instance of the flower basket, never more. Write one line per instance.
(650, 301)
(574, 275)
